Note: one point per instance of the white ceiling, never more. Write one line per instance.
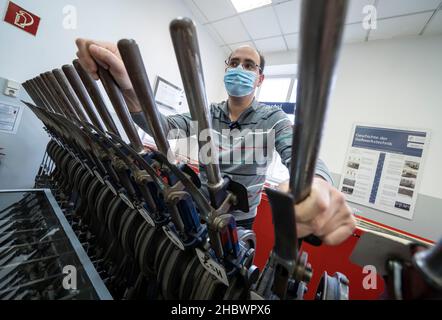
(275, 27)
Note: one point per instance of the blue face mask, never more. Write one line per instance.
(239, 82)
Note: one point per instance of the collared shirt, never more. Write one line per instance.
(245, 146)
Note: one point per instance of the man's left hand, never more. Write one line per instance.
(324, 213)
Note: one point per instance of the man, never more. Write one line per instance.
(324, 213)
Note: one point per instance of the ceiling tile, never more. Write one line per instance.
(231, 30)
(261, 23)
(390, 8)
(216, 9)
(226, 50)
(354, 33)
(292, 41)
(271, 44)
(195, 11)
(237, 45)
(435, 25)
(289, 14)
(355, 10)
(214, 34)
(400, 26)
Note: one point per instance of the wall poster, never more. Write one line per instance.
(383, 168)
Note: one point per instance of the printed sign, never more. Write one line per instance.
(88, 168)
(99, 177)
(10, 117)
(126, 200)
(383, 168)
(146, 216)
(212, 266)
(22, 19)
(173, 237)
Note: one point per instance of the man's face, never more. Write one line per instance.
(248, 56)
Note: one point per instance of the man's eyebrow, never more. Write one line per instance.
(246, 60)
(250, 60)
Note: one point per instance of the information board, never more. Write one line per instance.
(383, 168)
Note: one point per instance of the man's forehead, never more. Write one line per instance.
(246, 52)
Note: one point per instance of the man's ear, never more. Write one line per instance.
(260, 80)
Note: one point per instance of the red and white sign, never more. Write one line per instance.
(22, 18)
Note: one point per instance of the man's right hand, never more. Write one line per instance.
(106, 54)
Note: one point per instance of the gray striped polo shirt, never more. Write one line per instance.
(246, 146)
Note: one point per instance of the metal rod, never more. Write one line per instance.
(75, 81)
(117, 100)
(185, 42)
(70, 94)
(321, 33)
(32, 83)
(95, 94)
(61, 95)
(133, 61)
(429, 263)
(40, 81)
(34, 96)
(51, 84)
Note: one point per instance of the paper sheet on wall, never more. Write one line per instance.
(383, 168)
(10, 117)
(169, 95)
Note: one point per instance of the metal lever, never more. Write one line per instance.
(130, 53)
(82, 95)
(321, 32)
(185, 42)
(46, 94)
(94, 92)
(64, 84)
(317, 62)
(52, 94)
(35, 87)
(34, 95)
(117, 100)
(429, 263)
(52, 81)
(319, 51)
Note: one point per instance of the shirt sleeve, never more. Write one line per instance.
(283, 145)
(176, 126)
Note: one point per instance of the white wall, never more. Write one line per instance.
(387, 82)
(146, 21)
(24, 150)
(23, 56)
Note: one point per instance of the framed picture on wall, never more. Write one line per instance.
(168, 95)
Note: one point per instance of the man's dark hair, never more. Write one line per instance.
(262, 61)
